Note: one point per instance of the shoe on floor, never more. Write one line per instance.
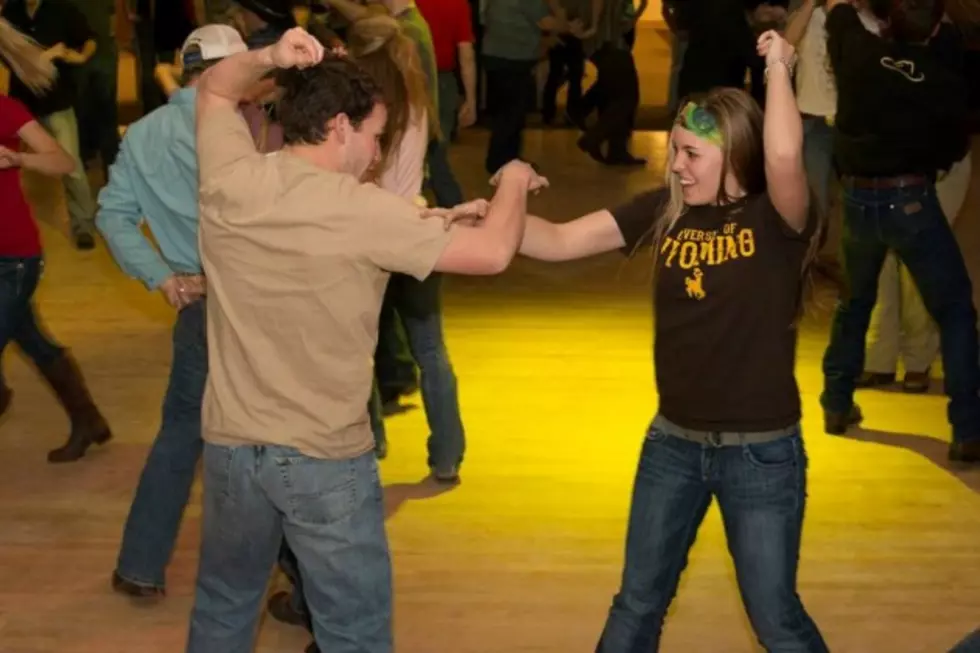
(280, 606)
(965, 452)
(129, 588)
(448, 475)
(839, 423)
(874, 379)
(916, 382)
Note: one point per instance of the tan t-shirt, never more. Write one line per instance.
(297, 259)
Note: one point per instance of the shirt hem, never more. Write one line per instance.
(339, 453)
(755, 425)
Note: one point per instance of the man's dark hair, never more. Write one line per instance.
(910, 21)
(312, 96)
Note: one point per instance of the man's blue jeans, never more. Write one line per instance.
(168, 474)
(761, 490)
(910, 222)
(818, 155)
(331, 513)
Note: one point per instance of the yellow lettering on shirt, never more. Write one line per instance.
(697, 249)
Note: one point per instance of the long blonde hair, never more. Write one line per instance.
(26, 58)
(740, 122)
(390, 56)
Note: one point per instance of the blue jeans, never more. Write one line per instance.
(910, 222)
(818, 156)
(970, 644)
(18, 323)
(168, 474)
(761, 490)
(442, 181)
(419, 304)
(331, 513)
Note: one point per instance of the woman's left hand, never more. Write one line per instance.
(774, 48)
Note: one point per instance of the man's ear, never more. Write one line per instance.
(340, 125)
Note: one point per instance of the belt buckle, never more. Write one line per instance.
(714, 439)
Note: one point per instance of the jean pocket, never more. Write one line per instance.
(12, 274)
(217, 461)
(775, 454)
(320, 492)
(655, 434)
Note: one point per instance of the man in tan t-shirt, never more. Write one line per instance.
(297, 252)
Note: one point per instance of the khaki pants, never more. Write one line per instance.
(900, 323)
(81, 204)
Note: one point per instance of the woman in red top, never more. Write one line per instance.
(20, 270)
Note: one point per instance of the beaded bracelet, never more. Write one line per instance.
(790, 66)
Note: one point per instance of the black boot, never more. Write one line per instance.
(87, 424)
(965, 452)
(839, 423)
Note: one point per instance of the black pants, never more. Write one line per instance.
(509, 96)
(151, 96)
(566, 63)
(617, 93)
(96, 107)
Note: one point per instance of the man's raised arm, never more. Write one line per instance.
(225, 139)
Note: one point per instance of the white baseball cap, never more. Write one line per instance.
(213, 42)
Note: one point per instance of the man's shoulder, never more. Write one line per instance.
(182, 113)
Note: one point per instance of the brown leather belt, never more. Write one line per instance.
(900, 181)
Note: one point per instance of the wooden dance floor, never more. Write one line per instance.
(556, 389)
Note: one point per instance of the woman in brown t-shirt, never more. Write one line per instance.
(732, 239)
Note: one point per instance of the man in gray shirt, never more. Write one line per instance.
(512, 46)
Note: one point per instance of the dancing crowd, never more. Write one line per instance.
(283, 182)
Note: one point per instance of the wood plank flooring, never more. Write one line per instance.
(556, 388)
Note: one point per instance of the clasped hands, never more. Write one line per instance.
(472, 212)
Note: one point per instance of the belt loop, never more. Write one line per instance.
(714, 439)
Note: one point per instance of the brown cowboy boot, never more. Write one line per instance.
(87, 424)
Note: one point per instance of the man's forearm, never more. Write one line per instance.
(134, 254)
(234, 77)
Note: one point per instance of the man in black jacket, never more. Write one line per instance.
(901, 120)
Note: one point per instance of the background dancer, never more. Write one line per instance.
(61, 28)
(155, 181)
(901, 118)
(21, 265)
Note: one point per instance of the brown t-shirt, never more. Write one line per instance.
(297, 260)
(726, 298)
